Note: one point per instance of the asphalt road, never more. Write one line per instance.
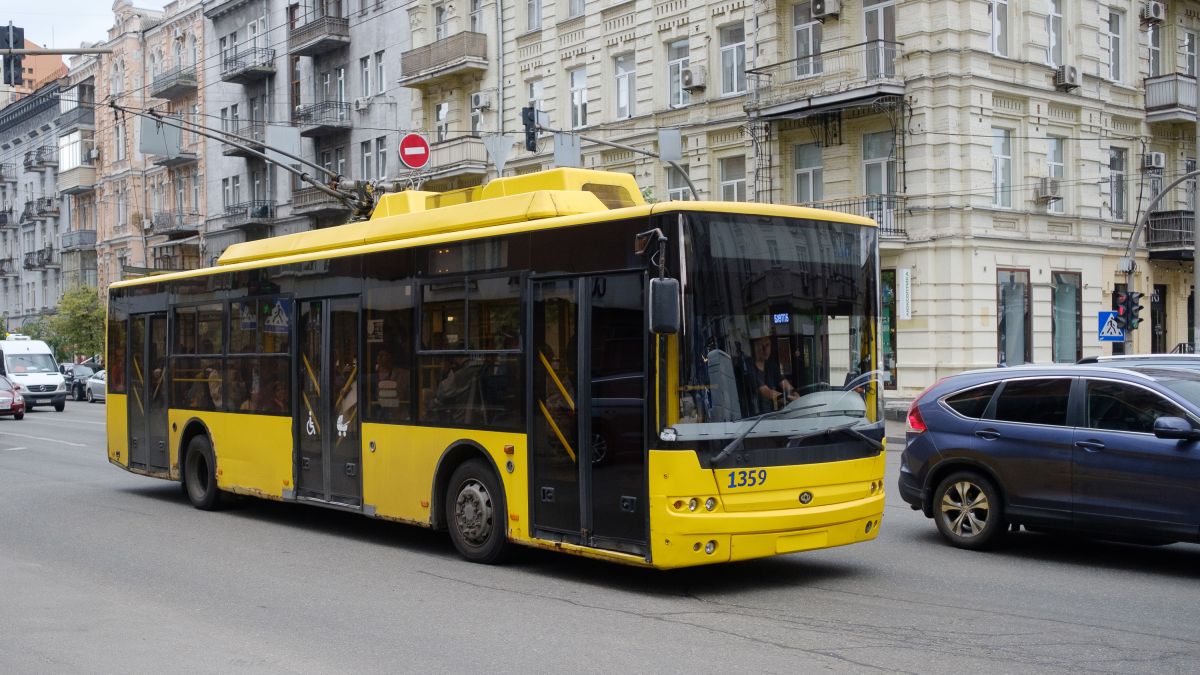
(102, 571)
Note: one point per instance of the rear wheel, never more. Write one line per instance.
(77, 393)
(200, 476)
(968, 511)
(476, 513)
(88, 396)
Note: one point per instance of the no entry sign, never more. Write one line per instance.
(414, 151)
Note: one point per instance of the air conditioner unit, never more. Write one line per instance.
(826, 9)
(363, 103)
(147, 224)
(1066, 78)
(694, 78)
(481, 100)
(1046, 190)
(1154, 12)
(94, 153)
(1154, 160)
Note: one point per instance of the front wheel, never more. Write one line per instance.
(60, 406)
(19, 416)
(968, 511)
(200, 476)
(476, 513)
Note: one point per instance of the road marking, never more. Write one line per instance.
(73, 421)
(15, 447)
(49, 440)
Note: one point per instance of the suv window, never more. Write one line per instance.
(972, 402)
(1118, 406)
(1042, 401)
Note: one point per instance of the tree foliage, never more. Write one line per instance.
(78, 327)
(39, 328)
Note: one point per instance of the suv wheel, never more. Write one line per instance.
(968, 510)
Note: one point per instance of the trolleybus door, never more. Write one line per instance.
(329, 452)
(148, 392)
(588, 362)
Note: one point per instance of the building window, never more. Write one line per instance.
(1067, 317)
(808, 173)
(476, 16)
(120, 133)
(1154, 40)
(340, 74)
(380, 76)
(339, 161)
(678, 54)
(578, 79)
(236, 186)
(537, 93)
(807, 36)
(441, 22)
(226, 194)
(879, 178)
(1115, 21)
(998, 9)
(1189, 54)
(733, 179)
(364, 68)
(476, 116)
(677, 185)
(733, 60)
(1001, 168)
(574, 8)
(381, 156)
(441, 120)
(533, 14)
(196, 189)
(626, 86)
(1189, 165)
(1054, 27)
(1056, 165)
(1012, 322)
(1116, 168)
(367, 157)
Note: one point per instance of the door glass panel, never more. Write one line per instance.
(156, 391)
(555, 439)
(138, 443)
(1034, 401)
(343, 437)
(1121, 407)
(311, 473)
(973, 402)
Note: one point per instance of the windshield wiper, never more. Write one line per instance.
(845, 428)
(729, 447)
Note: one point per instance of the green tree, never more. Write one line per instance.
(79, 325)
(41, 328)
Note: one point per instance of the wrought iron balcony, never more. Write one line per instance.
(47, 206)
(255, 131)
(8, 173)
(457, 54)
(322, 119)
(249, 214)
(7, 219)
(175, 224)
(1170, 98)
(41, 158)
(36, 260)
(1170, 235)
(8, 267)
(248, 66)
(78, 240)
(889, 211)
(180, 254)
(174, 83)
(312, 201)
(319, 36)
(29, 213)
(835, 79)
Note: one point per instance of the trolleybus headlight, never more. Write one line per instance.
(692, 504)
(710, 504)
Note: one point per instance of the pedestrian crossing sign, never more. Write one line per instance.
(1109, 331)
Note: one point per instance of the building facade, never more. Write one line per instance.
(77, 155)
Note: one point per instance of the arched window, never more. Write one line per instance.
(195, 61)
(178, 54)
(117, 78)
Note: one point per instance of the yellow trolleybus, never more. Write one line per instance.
(547, 360)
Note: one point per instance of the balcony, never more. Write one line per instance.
(78, 240)
(248, 66)
(456, 55)
(174, 83)
(41, 259)
(8, 173)
(889, 211)
(322, 119)
(181, 159)
(256, 132)
(832, 80)
(1170, 235)
(1170, 98)
(463, 156)
(249, 214)
(41, 158)
(312, 201)
(82, 117)
(319, 36)
(46, 207)
(177, 255)
(175, 225)
(29, 213)
(7, 219)
(78, 180)
(8, 267)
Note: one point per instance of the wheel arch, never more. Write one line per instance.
(949, 466)
(453, 456)
(192, 428)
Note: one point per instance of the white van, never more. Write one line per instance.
(31, 364)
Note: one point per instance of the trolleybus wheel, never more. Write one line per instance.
(200, 475)
(476, 513)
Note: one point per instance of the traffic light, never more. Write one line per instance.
(1134, 304)
(529, 119)
(12, 37)
(1122, 317)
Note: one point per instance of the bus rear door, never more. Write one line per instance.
(148, 392)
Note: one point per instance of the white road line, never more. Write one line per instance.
(49, 440)
(15, 447)
(56, 423)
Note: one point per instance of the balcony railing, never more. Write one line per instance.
(319, 36)
(1170, 98)
(174, 223)
(7, 219)
(828, 79)
(41, 158)
(247, 214)
(462, 51)
(82, 116)
(174, 83)
(41, 259)
(248, 65)
(8, 267)
(78, 239)
(256, 132)
(890, 211)
(1170, 234)
(8, 173)
(322, 119)
(47, 206)
(29, 213)
(457, 156)
(312, 200)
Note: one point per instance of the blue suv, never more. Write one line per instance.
(1106, 452)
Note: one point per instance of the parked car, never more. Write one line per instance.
(97, 387)
(11, 400)
(1108, 452)
(76, 376)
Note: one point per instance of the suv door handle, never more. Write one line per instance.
(1090, 446)
(988, 434)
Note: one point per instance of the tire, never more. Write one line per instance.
(977, 526)
(60, 406)
(476, 514)
(200, 475)
(18, 416)
(77, 393)
(88, 395)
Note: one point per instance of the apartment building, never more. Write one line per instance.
(324, 70)
(1006, 148)
(30, 279)
(76, 182)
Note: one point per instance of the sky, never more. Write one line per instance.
(64, 23)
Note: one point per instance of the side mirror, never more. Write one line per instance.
(664, 306)
(1175, 428)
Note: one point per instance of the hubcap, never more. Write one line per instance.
(965, 509)
(473, 512)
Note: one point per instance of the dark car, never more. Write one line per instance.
(1106, 452)
(11, 400)
(76, 376)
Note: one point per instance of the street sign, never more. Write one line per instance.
(414, 151)
(1107, 328)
